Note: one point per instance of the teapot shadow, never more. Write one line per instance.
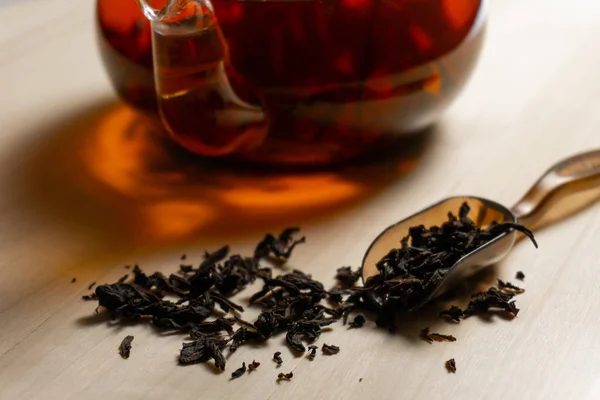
(102, 174)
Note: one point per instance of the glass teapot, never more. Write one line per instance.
(300, 82)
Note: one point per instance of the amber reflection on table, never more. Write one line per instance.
(126, 184)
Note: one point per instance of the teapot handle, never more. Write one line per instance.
(199, 106)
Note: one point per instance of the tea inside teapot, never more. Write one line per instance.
(307, 81)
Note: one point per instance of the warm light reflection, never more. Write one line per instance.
(295, 191)
(120, 152)
(458, 12)
(175, 218)
(161, 195)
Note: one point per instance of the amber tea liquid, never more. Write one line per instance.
(302, 82)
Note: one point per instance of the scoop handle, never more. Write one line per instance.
(552, 198)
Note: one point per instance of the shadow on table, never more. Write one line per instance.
(101, 174)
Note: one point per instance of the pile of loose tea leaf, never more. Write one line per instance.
(408, 274)
(196, 300)
(500, 298)
(189, 301)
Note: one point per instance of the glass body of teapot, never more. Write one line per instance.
(297, 82)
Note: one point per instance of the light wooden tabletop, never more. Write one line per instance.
(84, 191)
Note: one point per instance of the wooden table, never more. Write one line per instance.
(84, 191)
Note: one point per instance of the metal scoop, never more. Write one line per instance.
(544, 203)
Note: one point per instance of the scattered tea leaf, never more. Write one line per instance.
(252, 366)
(279, 248)
(125, 346)
(220, 324)
(91, 285)
(206, 347)
(244, 323)
(520, 276)
(438, 337)
(451, 365)
(360, 380)
(183, 257)
(123, 278)
(239, 372)
(330, 349)
(285, 377)
(243, 335)
(89, 297)
(313, 352)
(347, 277)
(491, 299)
(291, 303)
(454, 313)
(509, 287)
(277, 358)
(358, 321)
(185, 268)
(425, 335)
(303, 328)
(73, 280)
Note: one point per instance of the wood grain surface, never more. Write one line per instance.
(85, 190)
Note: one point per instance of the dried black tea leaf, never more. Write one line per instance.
(509, 287)
(346, 277)
(303, 328)
(491, 299)
(285, 377)
(127, 267)
(123, 278)
(293, 340)
(225, 304)
(313, 351)
(438, 337)
(425, 335)
(238, 338)
(358, 321)
(291, 304)
(451, 365)
(91, 285)
(128, 300)
(89, 297)
(184, 268)
(183, 257)
(206, 347)
(252, 366)
(409, 274)
(279, 248)
(520, 276)
(454, 313)
(244, 323)
(73, 280)
(277, 358)
(239, 372)
(218, 325)
(125, 346)
(241, 335)
(330, 349)
(215, 257)
(360, 380)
